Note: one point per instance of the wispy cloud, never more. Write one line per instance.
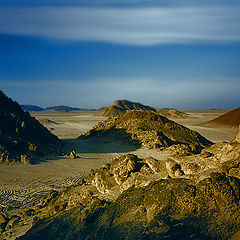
(134, 26)
(96, 93)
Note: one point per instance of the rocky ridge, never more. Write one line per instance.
(191, 197)
(22, 136)
(148, 130)
(120, 107)
(31, 108)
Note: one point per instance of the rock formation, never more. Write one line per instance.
(134, 198)
(149, 130)
(229, 119)
(183, 197)
(122, 106)
(22, 136)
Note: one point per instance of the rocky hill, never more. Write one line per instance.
(22, 136)
(229, 119)
(120, 107)
(149, 130)
(193, 197)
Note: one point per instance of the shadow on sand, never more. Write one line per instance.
(100, 142)
(88, 146)
(107, 141)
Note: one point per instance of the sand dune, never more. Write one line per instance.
(229, 119)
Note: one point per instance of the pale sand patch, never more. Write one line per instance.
(21, 184)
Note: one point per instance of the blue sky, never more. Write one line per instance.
(181, 54)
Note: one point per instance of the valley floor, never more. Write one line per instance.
(21, 185)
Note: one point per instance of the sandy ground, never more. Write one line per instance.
(214, 134)
(69, 125)
(21, 185)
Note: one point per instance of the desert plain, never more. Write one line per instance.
(22, 185)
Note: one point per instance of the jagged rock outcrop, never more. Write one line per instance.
(226, 151)
(22, 136)
(122, 201)
(120, 107)
(229, 119)
(149, 130)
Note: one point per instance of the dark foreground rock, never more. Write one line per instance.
(165, 209)
(184, 197)
(22, 136)
(134, 198)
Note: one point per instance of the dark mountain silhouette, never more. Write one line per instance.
(63, 108)
(31, 108)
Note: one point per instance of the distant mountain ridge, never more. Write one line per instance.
(118, 108)
(63, 108)
(31, 108)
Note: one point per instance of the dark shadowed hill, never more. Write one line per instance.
(22, 136)
(229, 119)
(31, 108)
(147, 129)
(121, 106)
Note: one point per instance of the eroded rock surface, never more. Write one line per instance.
(22, 136)
(149, 130)
(183, 197)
